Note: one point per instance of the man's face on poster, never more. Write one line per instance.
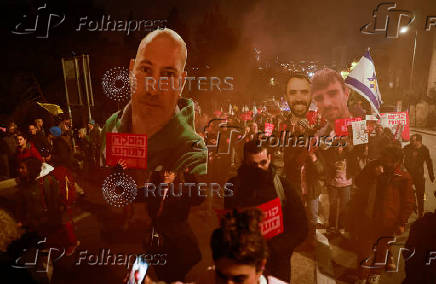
(298, 96)
(332, 101)
(160, 77)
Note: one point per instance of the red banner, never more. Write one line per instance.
(269, 127)
(341, 125)
(398, 122)
(272, 222)
(283, 127)
(246, 115)
(130, 147)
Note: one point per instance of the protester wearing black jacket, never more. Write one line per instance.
(421, 251)
(169, 213)
(255, 184)
(416, 154)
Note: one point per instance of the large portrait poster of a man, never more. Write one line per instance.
(157, 108)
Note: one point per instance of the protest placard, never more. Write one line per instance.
(360, 135)
(341, 125)
(269, 127)
(129, 147)
(398, 123)
(246, 115)
(272, 222)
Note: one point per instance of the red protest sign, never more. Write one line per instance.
(130, 147)
(246, 115)
(398, 123)
(272, 222)
(341, 125)
(269, 127)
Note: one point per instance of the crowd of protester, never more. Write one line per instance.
(44, 164)
(370, 187)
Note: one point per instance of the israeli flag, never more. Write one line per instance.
(363, 79)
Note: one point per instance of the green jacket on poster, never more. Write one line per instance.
(176, 146)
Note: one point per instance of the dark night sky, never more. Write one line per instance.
(291, 30)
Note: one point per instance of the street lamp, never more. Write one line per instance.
(405, 30)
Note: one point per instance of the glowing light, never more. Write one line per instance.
(310, 74)
(404, 29)
(353, 64)
(118, 83)
(344, 74)
(119, 189)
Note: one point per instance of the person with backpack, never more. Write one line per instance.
(256, 184)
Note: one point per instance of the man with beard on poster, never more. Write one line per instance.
(256, 184)
(157, 108)
(331, 97)
(299, 98)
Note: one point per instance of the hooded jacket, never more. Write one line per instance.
(395, 199)
(176, 146)
(250, 189)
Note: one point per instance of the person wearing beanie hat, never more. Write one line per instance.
(55, 131)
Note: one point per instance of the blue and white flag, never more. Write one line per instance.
(363, 79)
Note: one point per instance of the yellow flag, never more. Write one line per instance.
(51, 108)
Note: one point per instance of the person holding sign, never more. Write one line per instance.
(257, 184)
(157, 109)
